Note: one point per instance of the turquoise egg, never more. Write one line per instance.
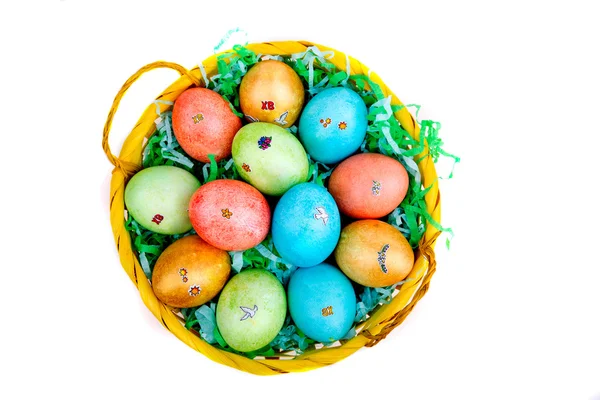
(306, 225)
(158, 198)
(333, 125)
(322, 302)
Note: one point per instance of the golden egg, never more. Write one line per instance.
(373, 253)
(272, 92)
(190, 272)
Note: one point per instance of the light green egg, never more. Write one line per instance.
(251, 310)
(158, 198)
(269, 158)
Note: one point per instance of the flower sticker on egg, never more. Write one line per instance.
(264, 142)
(194, 290)
(246, 167)
(197, 118)
(342, 125)
(226, 213)
(325, 122)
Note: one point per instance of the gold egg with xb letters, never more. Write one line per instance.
(272, 92)
(190, 272)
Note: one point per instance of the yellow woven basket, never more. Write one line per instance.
(381, 321)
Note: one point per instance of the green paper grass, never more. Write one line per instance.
(384, 135)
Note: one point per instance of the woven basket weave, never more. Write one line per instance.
(381, 321)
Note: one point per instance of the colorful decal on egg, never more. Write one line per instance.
(268, 105)
(264, 142)
(381, 256)
(342, 125)
(325, 122)
(194, 290)
(248, 312)
(246, 167)
(327, 311)
(250, 118)
(226, 213)
(281, 120)
(197, 118)
(376, 188)
(157, 219)
(321, 215)
(183, 274)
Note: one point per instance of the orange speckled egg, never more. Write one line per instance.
(368, 185)
(190, 272)
(373, 253)
(272, 92)
(204, 124)
(229, 214)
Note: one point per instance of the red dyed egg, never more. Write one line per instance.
(368, 185)
(204, 124)
(230, 215)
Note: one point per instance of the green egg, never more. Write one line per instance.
(251, 310)
(269, 158)
(158, 198)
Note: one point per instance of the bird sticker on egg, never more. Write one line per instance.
(248, 312)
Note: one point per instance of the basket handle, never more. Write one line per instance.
(127, 167)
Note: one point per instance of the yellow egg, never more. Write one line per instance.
(190, 272)
(272, 92)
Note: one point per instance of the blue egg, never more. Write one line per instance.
(322, 302)
(333, 125)
(306, 225)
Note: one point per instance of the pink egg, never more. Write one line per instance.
(230, 215)
(368, 185)
(204, 124)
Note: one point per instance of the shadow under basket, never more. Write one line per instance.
(382, 320)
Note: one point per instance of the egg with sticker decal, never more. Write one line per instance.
(368, 185)
(190, 272)
(322, 302)
(271, 92)
(306, 225)
(251, 310)
(157, 198)
(373, 253)
(333, 125)
(204, 124)
(230, 215)
(269, 158)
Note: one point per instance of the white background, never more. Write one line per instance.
(514, 309)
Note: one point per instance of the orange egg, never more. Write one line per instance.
(368, 185)
(204, 124)
(272, 92)
(190, 272)
(373, 253)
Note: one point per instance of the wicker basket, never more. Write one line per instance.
(383, 319)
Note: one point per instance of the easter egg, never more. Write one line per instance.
(190, 272)
(204, 124)
(373, 253)
(322, 302)
(269, 158)
(306, 225)
(157, 198)
(368, 185)
(271, 92)
(333, 125)
(251, 310)
(230, 214)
